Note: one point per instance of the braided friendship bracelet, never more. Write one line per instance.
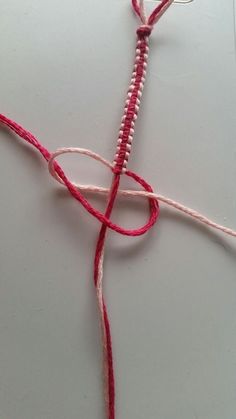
(118, 168)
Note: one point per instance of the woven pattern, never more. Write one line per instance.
(118, 168)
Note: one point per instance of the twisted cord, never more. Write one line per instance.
(118, 168)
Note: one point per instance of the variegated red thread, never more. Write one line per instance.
(118, 167)
(132, 104)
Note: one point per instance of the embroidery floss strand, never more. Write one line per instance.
(118, 168)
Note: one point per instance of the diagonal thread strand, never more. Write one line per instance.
(118, 168)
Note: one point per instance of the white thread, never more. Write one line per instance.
(139, 55)
(105, 191)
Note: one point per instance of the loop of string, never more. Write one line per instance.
(130, 193)
(75, 190)
(118, 168)
(58, 174)
(140, 10)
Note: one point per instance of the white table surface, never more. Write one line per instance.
(65, 68)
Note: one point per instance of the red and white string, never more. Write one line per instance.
(195, 215)
(118, 169)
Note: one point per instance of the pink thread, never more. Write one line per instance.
(27, 136)
(139, 8)
(118, 167)
(132, 103)
(133, 193)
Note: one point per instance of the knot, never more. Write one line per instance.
(146, 192)
(144, 30)
(77, 189)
